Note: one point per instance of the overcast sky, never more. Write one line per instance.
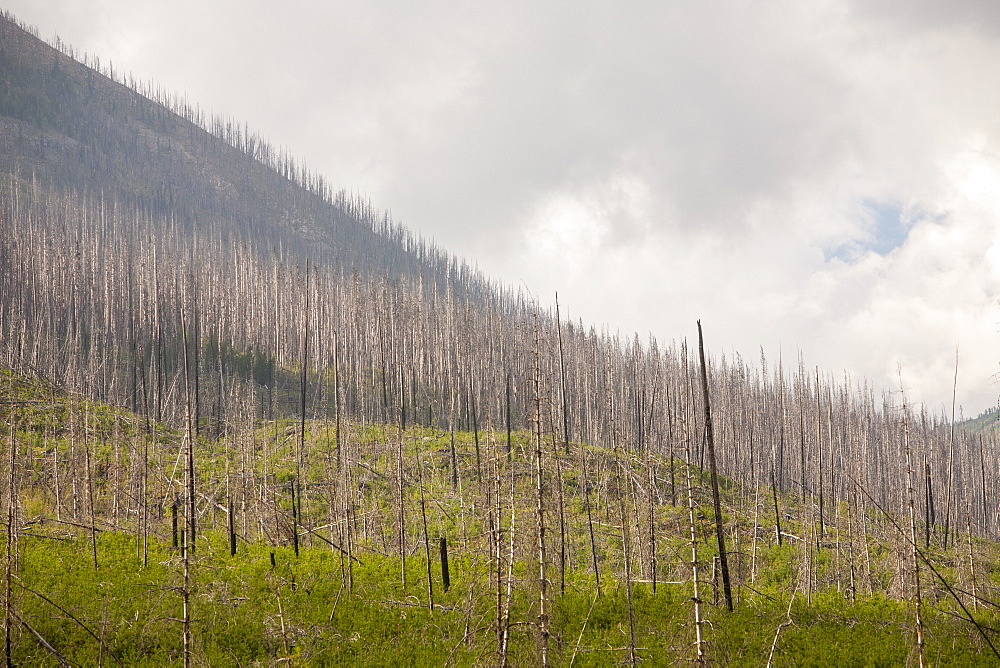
(821, 177)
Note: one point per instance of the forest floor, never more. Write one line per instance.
(350, 571)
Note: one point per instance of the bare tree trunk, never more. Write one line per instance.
(585, 483)
(819, 460)
(651, 482)
(186, 596)
(505, 626)
(562, 525)
(913, 527)
(427, 544)
(300, 455)
(562, 380)
(189, 469)
(700, 657)
(972, 555)
(928, 506)
(627, 560)
(402, 506)
(90, 489)
(187, 537)
(9, 552)
(543, 583)
(716, 500)
(982, 483)
(951, 459)
(496, 544)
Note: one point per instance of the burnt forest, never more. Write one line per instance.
(247, 418)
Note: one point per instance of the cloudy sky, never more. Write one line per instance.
(821, 177)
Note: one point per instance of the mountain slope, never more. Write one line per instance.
(70, 128)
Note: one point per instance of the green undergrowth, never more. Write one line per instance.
(316, 610)
(836, 591)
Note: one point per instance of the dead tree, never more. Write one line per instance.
(716, 499)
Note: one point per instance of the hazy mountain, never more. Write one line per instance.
(73, 129)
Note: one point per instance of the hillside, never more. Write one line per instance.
(205, 347)
(987, 423)
(65, 127)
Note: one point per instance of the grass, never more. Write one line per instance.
(266, 605)
(304, 610)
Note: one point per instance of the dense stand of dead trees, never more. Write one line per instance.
(212, 336)
(92, 297)
(95, 287)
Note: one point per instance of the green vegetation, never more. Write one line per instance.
(342, 600)
(304, 609)
(987, 422)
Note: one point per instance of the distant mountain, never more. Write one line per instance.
(987, 422)
(125, 210)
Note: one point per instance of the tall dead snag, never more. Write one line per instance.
(543, 609)
(299, 459)
(507, 415)
(651, 483)
(562, 380)
(9, 555)
(778, 452)
(423, 518)
(984, 502)
(951, 459)
(503, 618)
(188, 537)
(972, 554)
(189, 433)
(627, 559)
(913, 525)
(473, 413)
(716, 501)
(401, 505)
(699, 642)
(496, 523)
(688, 410)
(295, 517)
(565, 420)
(561, 490)
(186, 596)
(928, 505)
(585, 483)
(819, 461)
(90, 484)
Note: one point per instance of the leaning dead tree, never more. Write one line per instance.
(720, 534)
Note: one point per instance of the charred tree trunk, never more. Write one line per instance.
(716, 498)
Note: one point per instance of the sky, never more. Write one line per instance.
(816, 178)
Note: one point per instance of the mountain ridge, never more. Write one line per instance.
(68, 127)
